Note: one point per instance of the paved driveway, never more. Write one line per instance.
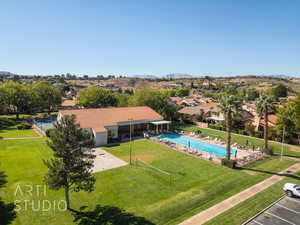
(106, 161)
(286, 211)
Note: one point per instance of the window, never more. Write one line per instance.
(112, 133)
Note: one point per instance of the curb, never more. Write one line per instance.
(262, 211)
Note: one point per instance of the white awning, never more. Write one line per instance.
(161, 122)
(215, 118)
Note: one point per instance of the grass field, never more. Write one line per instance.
(196, 184)
(289, 150)
(15, 133)
(254, 205)
(8, 128)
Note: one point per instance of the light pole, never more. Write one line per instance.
(130, 139)
(283, 131)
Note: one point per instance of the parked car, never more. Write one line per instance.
(292, 189)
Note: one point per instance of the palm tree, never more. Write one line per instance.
(264, 104)
(229, 106)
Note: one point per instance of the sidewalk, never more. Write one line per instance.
(20, 138)
(225, 205)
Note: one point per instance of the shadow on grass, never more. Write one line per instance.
(9, 122)
(292, 156)
(7, 211)
(271, 173)
(107, 215)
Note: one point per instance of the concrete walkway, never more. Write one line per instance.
(106, 161)
(225, 205)
(20, 138)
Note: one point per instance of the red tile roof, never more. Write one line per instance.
(206, 107)
(97, 119)
(272, 119)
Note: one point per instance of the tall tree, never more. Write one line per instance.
(156, 100)
(2, 99)
(279, 91)
(48, 97)
(288, 118)
(71, 167)
(229, 106)
(182, 92)
(264, 104)
(15, 96)
(94, 97)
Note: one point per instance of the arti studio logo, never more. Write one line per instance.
(34, 198)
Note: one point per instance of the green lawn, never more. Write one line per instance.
(8, 128)
(15, 133)
(253, 205)
(289, 150)
(196, 184)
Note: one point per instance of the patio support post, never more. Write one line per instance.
(156, 128)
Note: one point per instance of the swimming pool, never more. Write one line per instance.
(44, 124)
(196, 144)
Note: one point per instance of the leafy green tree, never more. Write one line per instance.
(201, 116)
(15, 96)
(47, 96)
(71, 167)
(3, 105)
(229, 106)
(168, 93)
(251, 94)
(122, 99)
(279, 91)
(95, 97)
(155, 100)
(264, 104)
(182, 92)
(288, 118)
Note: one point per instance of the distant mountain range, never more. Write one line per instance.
(178, 75)
(168, 76)
(143, 76)
(183, 75)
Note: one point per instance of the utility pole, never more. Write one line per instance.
(130, 139)
(283, 131)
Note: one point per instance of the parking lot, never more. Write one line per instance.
(284, 211)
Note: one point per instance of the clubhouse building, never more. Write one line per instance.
(113, 124)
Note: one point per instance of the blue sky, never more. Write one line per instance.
(224, 37)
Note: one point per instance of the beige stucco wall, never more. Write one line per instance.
(100, 138)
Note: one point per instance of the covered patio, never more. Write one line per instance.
(161, 126)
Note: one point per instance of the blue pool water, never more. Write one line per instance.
(44, 124)
(196, 144)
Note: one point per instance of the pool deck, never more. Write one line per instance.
(240, 152)
(248, 155)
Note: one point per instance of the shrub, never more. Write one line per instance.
(242, 132)
(24, 126)
(216, 126)
(268, 151)
(228, 163)
(48, 132)
(257, 134)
